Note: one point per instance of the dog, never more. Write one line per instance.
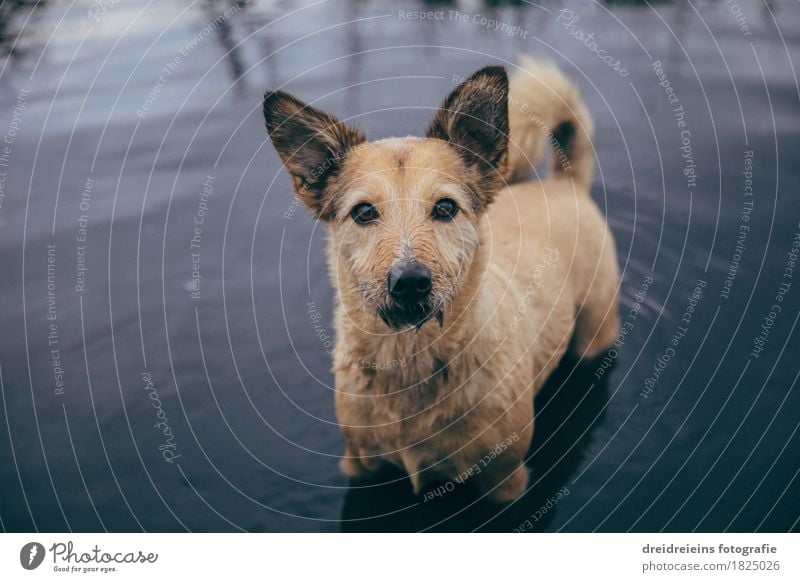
(447, 259)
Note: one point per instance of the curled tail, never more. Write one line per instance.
(545, 107)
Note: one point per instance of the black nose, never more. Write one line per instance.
(409, 282)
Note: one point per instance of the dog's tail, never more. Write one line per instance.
(545, 107)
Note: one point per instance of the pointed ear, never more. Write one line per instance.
(312, 145)
(474, 119)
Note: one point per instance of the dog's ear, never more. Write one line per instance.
(312, 145)
(474, 118)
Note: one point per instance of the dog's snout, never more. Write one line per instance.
(409, 282)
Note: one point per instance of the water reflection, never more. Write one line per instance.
(642, 3)
(225, 15)
(17, 23)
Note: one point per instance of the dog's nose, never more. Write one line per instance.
(409, 282)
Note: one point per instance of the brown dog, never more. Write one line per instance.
(472, 289)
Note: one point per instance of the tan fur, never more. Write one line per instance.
(542, 100)
(515, 277)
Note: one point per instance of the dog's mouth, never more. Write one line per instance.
(399, 316)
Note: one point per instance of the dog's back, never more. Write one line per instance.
(549, 238)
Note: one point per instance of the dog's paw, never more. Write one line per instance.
(351, 466)
(511, 488)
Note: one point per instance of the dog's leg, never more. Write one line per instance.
(352, 466)
(597, 323)
(416, 482)
(512, 487)
(595, 331)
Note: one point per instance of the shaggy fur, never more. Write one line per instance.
(521, 272)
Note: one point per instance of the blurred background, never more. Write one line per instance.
(165, 312)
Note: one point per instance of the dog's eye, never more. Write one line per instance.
(364, 213)
(445, 209)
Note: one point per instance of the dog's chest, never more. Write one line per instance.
(425, 390)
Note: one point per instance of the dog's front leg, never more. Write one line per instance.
(512, 486)
(351, 465)
(361, 456)
(358, 463)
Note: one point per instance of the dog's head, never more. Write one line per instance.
(404, 212)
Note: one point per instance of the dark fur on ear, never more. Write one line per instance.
(474, 118)
(312, 145)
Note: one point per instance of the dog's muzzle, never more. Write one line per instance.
(409, 284)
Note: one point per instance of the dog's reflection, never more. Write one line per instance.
(568, 408)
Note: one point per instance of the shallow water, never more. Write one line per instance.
(129, 125)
